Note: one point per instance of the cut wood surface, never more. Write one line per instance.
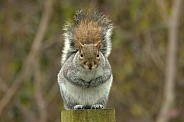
(88, 115)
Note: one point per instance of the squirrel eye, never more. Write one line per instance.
(81, 55)
(97, 55)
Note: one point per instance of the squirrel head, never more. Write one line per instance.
(89, 33)
(89, 55)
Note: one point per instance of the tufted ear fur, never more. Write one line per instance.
(80, 45)
(98, 45)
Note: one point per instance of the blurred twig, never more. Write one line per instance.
(27, 66)
(29, 114)
(38, 93)
(163, 10)
(170, 72)
(57, 119)
(130, 101)
(3, 85)
(152, 52)
(49, 43)
(52, 93)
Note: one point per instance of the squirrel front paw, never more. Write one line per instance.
(97, 106)
(78, 107)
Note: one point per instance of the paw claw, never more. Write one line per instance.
(97, 106)
(78, 107)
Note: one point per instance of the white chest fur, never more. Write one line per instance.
(86, 96)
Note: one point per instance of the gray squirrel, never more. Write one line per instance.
(86, 77)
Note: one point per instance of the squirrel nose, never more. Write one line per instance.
(90, 66)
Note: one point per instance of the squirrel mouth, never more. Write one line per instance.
(90, 66)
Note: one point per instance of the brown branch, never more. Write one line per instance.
(52, 93)
(152, 52)
(29, 114)
(31, 56)
(163, 10)
(3, 86)
(49, 43)
(38, 93)
(170, 72)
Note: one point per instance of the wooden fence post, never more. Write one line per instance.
(88, 115)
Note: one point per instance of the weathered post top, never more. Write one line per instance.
(88, 115)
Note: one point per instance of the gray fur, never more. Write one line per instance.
(81, 88)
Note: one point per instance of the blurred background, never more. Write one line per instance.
(30, 51)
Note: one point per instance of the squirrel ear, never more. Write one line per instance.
(80, 45)
(98, 44)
